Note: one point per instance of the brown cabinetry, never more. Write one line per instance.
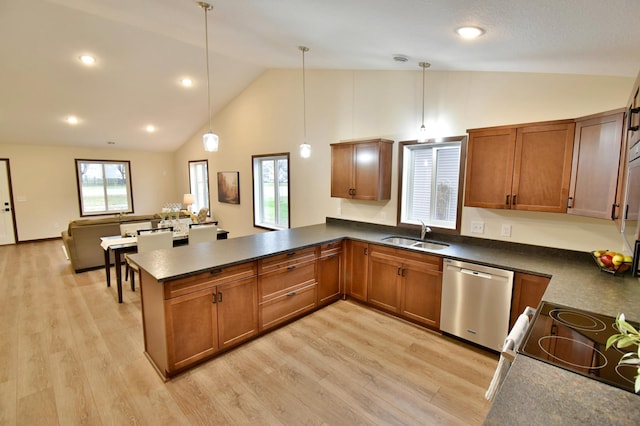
(330, 272)
(522, 167)
(357, 266)
(406, 283)
(287, 286)
(361, 169)
(202, 314)
(596, 176)
(527, 291)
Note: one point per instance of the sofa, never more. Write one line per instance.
(82, 238)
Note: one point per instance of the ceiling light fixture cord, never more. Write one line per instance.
(305, 148)
(423, 129)
(207, 7)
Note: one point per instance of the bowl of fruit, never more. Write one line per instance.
(612, 262)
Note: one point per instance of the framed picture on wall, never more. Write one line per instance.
(229, 187)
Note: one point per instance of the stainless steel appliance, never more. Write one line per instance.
(476, 303)
(576, 341)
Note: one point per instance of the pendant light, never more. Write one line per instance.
(422, 135)
(305, 148)
(209, 139)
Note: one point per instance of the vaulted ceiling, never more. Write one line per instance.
(144, 47)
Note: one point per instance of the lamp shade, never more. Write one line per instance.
(187, 199)
(305, 150)
(210, 141)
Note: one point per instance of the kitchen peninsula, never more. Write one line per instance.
(532, 390)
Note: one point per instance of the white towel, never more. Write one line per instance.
(511, 343)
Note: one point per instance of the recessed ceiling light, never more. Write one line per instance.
(150, 128)
(87, 59)
(470, 32)
(186, 82)
(72, 119)
(111, 143)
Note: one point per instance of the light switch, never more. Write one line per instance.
(506, 230)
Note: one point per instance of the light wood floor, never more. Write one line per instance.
(70, 354)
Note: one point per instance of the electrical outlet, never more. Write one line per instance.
(506, 230)
(477, 227)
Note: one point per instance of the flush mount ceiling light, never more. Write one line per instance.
(71, 119)
(186, 82)
(469, 32)
(422, 134)
(305, 148)
(87, 59)
(209, 140)
(150, 128)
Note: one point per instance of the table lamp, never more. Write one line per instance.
(187, 201)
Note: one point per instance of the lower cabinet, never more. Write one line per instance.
(357, 253)
(201, 323)
(330, 272)
(287, 286)
(527, 291)
(406, 283)
(190, 319)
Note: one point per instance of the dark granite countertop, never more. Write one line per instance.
(533, 392)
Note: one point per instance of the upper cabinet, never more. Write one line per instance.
(596, 177)
(361, 170)
(521, 167)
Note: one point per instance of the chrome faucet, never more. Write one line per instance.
(424, 229)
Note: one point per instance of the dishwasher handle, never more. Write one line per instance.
(476, 273)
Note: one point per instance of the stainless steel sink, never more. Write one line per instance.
(430, 245)
(414, 243)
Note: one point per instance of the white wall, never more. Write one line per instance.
(45, 190)
(267, 118)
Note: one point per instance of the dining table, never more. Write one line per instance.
(119, 245)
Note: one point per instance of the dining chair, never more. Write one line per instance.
(128, 229)
(148, 240)
(202, 233)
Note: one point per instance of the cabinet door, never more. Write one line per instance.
(421, 293)
(192, 328)
(385, 273)
(490, 160)
(527, 291)
(372, 174)
(237, 304)
(596, 159)
(342, 170)
(357, 268)
(542, 171)
(329, 278)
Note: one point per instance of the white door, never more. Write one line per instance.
(7, 235)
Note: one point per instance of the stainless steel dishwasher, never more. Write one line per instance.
(476, 303)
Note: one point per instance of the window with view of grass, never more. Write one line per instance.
(271, 206)
(104, 187)
(431, 183)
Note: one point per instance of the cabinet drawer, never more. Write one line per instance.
(283, 281)
(208, 279)
(288, 306)
(330, 248)
(285, 260)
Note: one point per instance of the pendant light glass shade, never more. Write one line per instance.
(210, 142)
(305, 148)
(209, 139)
(422, 133)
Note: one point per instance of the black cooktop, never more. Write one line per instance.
(576, 341)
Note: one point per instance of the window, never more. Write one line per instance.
(104, 187)
(199, 184)
(271, 191)
(431, 183)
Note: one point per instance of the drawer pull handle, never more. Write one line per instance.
(293, 293)
(216, 271)
(219, 296)
(293, 253)
(291, 268)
